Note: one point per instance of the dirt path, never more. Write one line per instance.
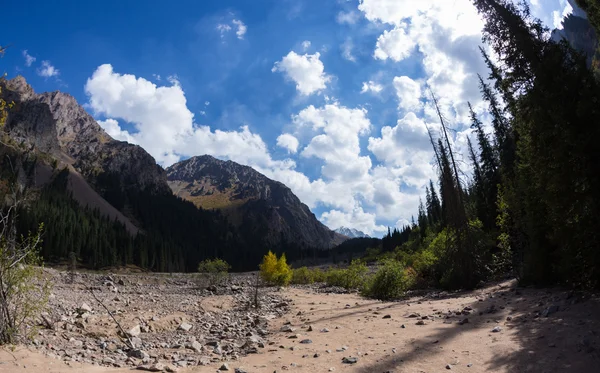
(567, 340)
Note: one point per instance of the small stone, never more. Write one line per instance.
(469, 365)
(448, 366)
(287, 329)
(496, 329)
(139, 354)
(420, 322)
(171, 369)
(463, 321)
(350, 360)
(403, 326)
(135, 331)
(324, 330)
(306, 341)
(316, 355)
(310, 328)
(185, 327)
(85, 308)
(225, 366)
(387, 317)
(240, 370)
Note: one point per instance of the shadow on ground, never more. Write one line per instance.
(566, 340)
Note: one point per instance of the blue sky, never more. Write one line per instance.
(326, 96)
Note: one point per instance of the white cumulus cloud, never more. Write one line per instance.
(371, 86)
(289, 142)
(408, 92)
(241, 28)
(29, 59)
(47, 70)
(307, 71)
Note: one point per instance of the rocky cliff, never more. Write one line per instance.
(54, 124)
(250, 199)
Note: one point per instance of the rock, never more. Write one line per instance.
(420, 322)
(448, 366)
(413, 315)
(550, 310)
(310, 328)
(137, 342)
(225, 366)
(350, 360)
(306, 341)
(240, 370)
(387, 317)
(85, 308)
(156, 367)
(324, 330)
(138, 354)
(403, 326)
(135, 331)
(463, 321)
(196, 346)
(316, 355)
(496, 329)
(171, 369)
(287, 329)
(185, 327)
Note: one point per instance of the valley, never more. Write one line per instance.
(305, 329)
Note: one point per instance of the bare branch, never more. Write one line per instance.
(125, 335)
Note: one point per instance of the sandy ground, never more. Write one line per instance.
(565, 341)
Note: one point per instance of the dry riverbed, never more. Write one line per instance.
(177, 326)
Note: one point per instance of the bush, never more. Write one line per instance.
(275, 271)
(302, 276)
(352, 277)
(214, 270)
(389, 282)
(24, 288)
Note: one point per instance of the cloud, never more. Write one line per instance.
(307, 71)
(241, 28)
(163, 124)
(29, 60)
(371, 86)
(347, 47)
(357, 218)
(408, 92)
(288, 142)
(111, 126)
(350, 17)
(223, 29)
(47, 70)
(305, 45)
(395, 44)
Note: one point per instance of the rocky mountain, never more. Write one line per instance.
(351, 232)
(108, 201)
(250, 200)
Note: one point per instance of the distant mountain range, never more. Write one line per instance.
(351, 232)
(111, 204)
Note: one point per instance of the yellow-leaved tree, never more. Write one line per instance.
(275, 271)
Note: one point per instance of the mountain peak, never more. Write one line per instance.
(251, 201)
(351, 232)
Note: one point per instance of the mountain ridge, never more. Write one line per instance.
(246, 195)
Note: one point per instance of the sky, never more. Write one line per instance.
(327, 96)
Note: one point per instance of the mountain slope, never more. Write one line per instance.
(351, 232)
(252, 201)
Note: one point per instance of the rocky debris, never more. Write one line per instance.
(463, 321)
(496, 329)
(420, 322)
(172, 321)
(387, 317)
(306, 341)
(349, 360)
(225, 366)
(135, 331)
(185, 327)
(287, 329)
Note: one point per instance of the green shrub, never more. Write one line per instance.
(275, 271)
(352, 277)
(389, 282)
(319, 275)
(214, 271)
(302, 276)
